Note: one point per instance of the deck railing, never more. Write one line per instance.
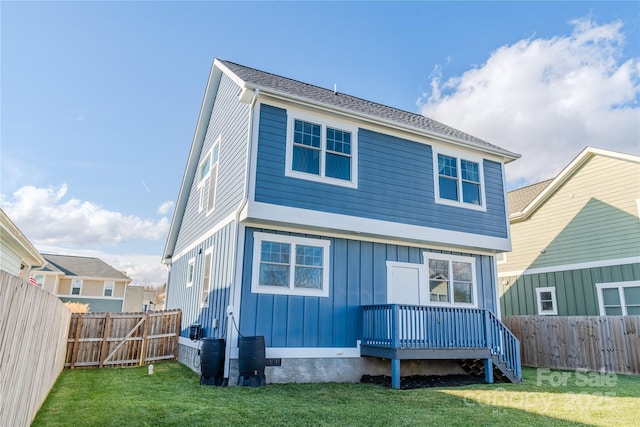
(411, 326)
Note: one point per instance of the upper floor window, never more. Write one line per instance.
(546, 298)
(208, 178)
(322, 151)
(76, 286)
(621, 298)
(108, 289)
(452, 279)
(459, 181)
(290, 265)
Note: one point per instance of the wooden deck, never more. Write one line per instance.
(402, 332)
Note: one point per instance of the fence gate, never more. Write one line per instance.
(122, 339)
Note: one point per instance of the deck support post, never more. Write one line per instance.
(395, 374)
(488, 370)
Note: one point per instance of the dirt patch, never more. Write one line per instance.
(423, 381)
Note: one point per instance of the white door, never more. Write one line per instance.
(406, 283)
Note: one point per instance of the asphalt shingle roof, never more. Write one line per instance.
(519, 199)
(81, 267)
(353, 104)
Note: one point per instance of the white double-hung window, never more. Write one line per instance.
(459, 180)
(619, 298)
(322, 149)
(452, 280)
(290, 265)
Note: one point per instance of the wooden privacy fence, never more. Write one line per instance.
(33, 334)
(596, 343)
(122, 339)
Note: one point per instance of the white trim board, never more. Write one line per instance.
(291, 352)
(358, 226)
(567, 267)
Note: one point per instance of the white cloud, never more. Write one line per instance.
(47, 218)
(547, 99)
(166, 207)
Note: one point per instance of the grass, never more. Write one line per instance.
(172, 396)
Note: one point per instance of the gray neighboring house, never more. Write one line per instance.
(86, 280)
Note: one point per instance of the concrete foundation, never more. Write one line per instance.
(329, 369)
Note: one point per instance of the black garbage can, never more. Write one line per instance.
(212, 361)
(251, 361)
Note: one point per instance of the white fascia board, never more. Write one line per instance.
(362, 228)
(192, 163)
(503, 155)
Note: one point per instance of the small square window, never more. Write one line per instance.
(546, 298)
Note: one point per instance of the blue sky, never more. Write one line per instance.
(99, 100)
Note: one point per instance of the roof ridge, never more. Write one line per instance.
(432, 122)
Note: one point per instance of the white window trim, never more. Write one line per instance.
(620, 286)
(79, 287)
(191, 268)
(458, 258)
(259, 237)
(213, 180)
(459, 155)
(554, 301)
(206, 254)
(42, 277)
(105, 287)
(324, 122)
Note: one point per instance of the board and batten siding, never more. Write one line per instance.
(358, 276)
(576, 293)
(592, 217)
(395, 183)
(188, 299)
(229, 120)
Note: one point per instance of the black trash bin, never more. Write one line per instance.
(251, 361)
(212, 361)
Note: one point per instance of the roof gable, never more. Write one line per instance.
(523, 202)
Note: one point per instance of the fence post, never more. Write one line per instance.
(145, 335)
(105, 342)
(76, 338)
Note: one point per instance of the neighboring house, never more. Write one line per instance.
(576, 241)
(312, 218)
(85, 280)
(17, 255)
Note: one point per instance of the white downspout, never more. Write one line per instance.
(233, 308)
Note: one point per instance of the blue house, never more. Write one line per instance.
(352, 236)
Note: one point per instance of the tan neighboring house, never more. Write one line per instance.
(87, 280)
(576, 241)
(17, 255)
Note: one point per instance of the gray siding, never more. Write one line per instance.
(395, 183)
(358, 276)
(230, 120)
(188, 299)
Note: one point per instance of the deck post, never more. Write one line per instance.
(395, 374)
(488, 370)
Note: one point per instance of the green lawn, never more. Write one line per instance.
(172, 396)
